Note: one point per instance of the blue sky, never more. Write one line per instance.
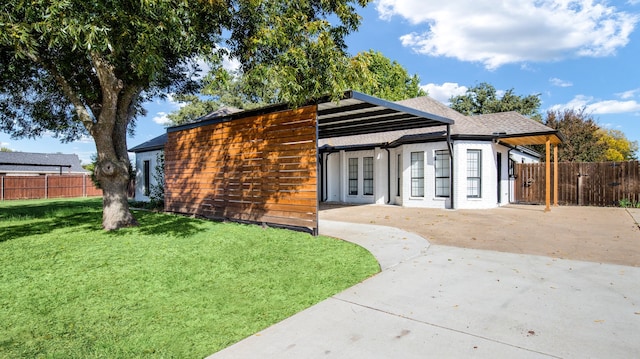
(575, 54)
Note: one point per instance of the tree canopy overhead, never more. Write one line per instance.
(484, 99)
(369, 72)
(379, 76)
(77, 67)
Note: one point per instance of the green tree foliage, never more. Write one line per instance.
(580, 131)
(5, 149)
(369, 72)
(76, 67)
(484, 99)
(157, 190)
(221, 89)
(377, 75)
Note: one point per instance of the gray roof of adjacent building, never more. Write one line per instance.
(40, 163)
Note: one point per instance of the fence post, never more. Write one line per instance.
(580, 180)
(46, 186)
(2, 189)
(84, 185)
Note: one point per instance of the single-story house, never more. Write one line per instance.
(414, 167)
(276, 164)
(39, 164)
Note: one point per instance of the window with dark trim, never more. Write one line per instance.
(474, 173)
(353, 176)
(399, 173)
(417, 174)
(442, 173)
(146, 177)
(367, 176)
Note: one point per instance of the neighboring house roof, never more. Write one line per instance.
(499, 125)
(26, 162)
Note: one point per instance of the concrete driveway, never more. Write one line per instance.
(604, 235)
(443, 301)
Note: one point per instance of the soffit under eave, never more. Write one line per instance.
(531, 140)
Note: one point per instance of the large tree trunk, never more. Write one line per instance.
(113, 174)
(115, 205)
(110, 135)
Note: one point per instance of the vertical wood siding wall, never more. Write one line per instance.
(584, 184)
(49, 186)
(259, 169)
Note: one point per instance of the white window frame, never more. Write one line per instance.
(474, 173)
(367, 176)
(352, 164)
(417, 174)
(442, 182)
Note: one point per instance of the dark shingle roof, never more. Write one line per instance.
(156, 143)
(26, 162)
(511, 123)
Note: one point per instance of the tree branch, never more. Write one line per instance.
(81, 110)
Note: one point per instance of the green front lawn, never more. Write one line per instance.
(173, 287)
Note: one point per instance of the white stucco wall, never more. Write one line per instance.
(332, 177)
(150, 156)
(337, 178)
(521, 157)
(360, 197)
(489, 183)
(386, 192)
(429, 200)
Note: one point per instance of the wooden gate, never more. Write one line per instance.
(585, 184)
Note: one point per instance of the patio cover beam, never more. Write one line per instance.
(357, 114)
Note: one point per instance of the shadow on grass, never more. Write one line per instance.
(152, 223)
(44, 217)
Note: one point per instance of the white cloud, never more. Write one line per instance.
(628, 94)
(84, 139)
(445, 91)
(175, 104)
(613, 106)
(560, 83)
(161, 118)
(599, 107)
(230, 64)
(498, 33)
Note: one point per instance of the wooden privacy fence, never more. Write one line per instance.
(580, 183)
(257, 169)
(48, 186)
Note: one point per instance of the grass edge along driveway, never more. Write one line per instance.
(172, 287)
